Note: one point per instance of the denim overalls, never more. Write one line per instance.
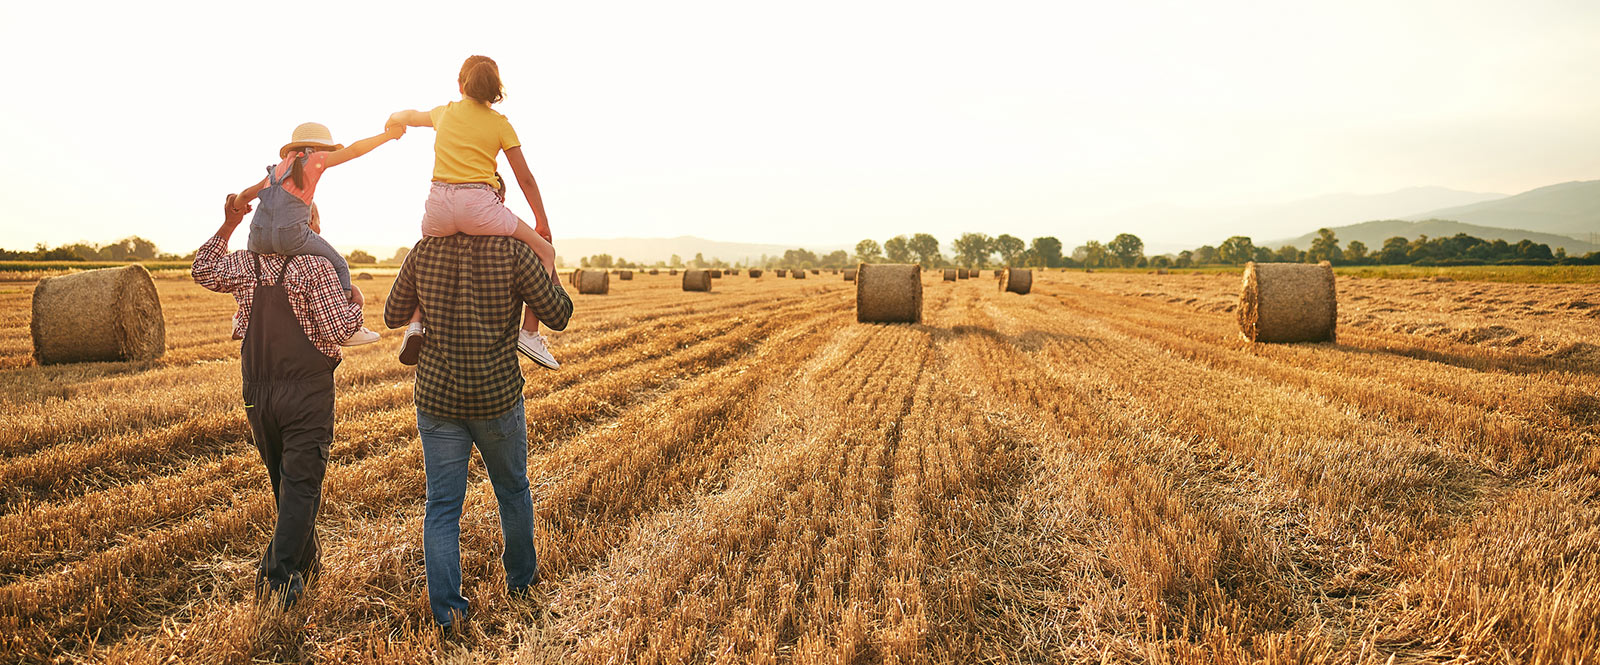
(282, 225)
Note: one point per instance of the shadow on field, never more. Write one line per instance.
(31, 382)
(1496, 362)
(1030, 341)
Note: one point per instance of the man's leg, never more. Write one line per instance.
(264, 433)
(503, 443)
(446, 449)
(305, 421)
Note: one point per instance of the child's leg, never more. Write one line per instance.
(315, 245)
(547, 256)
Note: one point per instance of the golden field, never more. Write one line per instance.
(1101, 470)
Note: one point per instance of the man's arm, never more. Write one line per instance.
(402, 302)
(334, 314)
(214, 268)
(533, 286)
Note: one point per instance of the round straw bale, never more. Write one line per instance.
(797, 274)
(597, 282)
(697, 280)
(888, 293)
(655, 271)
(1088, 269)
(1288, 302)
(626, 275)
(572, 277)
(106, 314)
(999, 273)
(814, 271)
(782, 272)
(1161, 271)
(363, 275)
(1017, 280)
(755, 272)
(949, 274)
(672, 272)
(849, 274)
(715, 274)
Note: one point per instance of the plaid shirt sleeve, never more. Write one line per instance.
(333, 317)
(402, 301)
(217, 270)
(545, 296)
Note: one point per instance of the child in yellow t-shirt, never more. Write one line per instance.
(468, 195)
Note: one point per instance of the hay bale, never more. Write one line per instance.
(888, 293)
(1288, 302)
(782, 273)
(106, 314)
(1016, 280)
(850, 274)
(999, 273)
(797, 274)
(755, 272)
(625, 275)
(1088, 269)
(672, 272)
(715, 274)
(816, 272)
(654, 272)
(949, 274)
(697, 280)
(1161, 271)
(594, 282)
(363, 275)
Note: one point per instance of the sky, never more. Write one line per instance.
(802, 124)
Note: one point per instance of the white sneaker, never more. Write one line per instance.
(532, 345)
(411, 345)
(362, 336)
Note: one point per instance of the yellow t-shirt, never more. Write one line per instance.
(468, 138)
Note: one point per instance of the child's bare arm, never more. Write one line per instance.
(530, 190)
(241, 202)
(363, 146)
(410, 118)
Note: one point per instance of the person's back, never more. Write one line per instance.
(468, 393)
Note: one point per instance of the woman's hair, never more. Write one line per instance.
(480, 79)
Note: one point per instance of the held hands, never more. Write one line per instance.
(233, 210)
(394, 131)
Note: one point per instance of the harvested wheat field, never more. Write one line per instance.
(1101, 470)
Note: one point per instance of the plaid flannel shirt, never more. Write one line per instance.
(320, 304)
(471, 290)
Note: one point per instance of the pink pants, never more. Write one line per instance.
(475, 211)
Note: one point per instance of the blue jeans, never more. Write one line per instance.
(446, 449)
(298, 241)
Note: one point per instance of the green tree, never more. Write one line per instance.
(1185, 259)
(897, 249)
(675, 262)
(1356, 252)
(1237, 250)
(1324, 247)
(1394, 251)
(972, 249)
(1047, 250)
(1009, 247)
(1263, 255)
(1205, 255)
(926, 249)
(836, 259)
(400, 255)
(1092, 254)
(867, 251)
(359, 256)
(699, 260)
(1288, 254)
(1128, 249)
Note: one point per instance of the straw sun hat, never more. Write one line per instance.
(310, 134)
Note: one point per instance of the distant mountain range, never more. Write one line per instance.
(1565, 215)
(1372, 234)
(1569, 209)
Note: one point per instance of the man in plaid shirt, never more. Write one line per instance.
(292, 315)
(468, 391)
